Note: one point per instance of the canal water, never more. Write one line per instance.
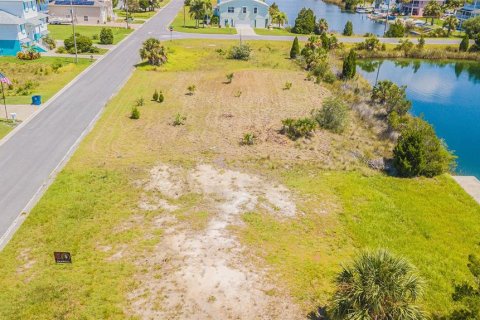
(448, 97)
(335, 17)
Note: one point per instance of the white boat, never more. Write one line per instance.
(361, 9)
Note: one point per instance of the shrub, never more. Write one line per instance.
(393, 97)
(419, 152)
(333, 116)
(329, 42)
(155, 95)
(296, 128)
(405, 46)
(305, 22)
(241, 52)
(349, 65)
(135, 113)
(421, 42)
(377, 285)
(348, 30)
(139, 102)
(396, 30)
(229, 77)
(49, 42)
(472, 26)
(61, 50)
(153, 52)
(295, 50)
(465, 43)
(329, 77)
(321, 27)
(238, 94)
(161, 97)
(106, 36)
(288, 86)
(214, 20)
(370, 44)
(179, 120)
(28, 54)
(191, 89)
(84, 44)
(248, 139)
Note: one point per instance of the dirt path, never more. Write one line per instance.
(205, 273)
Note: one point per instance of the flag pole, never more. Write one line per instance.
(4, 102)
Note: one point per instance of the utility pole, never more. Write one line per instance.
(126, 11)
(386, 18)
(74, 35)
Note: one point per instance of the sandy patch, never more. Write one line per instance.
(205, 274)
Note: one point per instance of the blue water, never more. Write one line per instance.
(335, 17)
(448, 96)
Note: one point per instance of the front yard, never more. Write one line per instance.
(190, 25)
(62, 32)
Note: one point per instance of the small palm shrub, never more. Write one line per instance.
(248, 139)
(161, 97)
(135, 113)
(297, 128)
(333, 116)
(238, 94)
(140, 102)
(288, 86)
(229, 77)
(191, 89)
(155, 95)
(179, 120)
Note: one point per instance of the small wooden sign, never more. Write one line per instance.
(62, 257)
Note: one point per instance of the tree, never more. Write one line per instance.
(280, 18)
(378, 286)
(466, 295)
(419, 152)
(144, 4)
(472, 26)
(432, 10)
(295, 51)
(333, 116)
(465, 43)
(199, 10)
(351, 4)
(453, 4)
(370, 44)
(305, 22)
(395, 30)
(349, 65)
(391, 96)
(450, 23)
(106, 36)
(348, 30)
(153, 52)
(84, 43)
(273, 9)
(421, 42)
(321, 27)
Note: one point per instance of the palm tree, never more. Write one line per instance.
(153, 51)
(280, 18)
(450, 23)
(322, 26)
(432, 10)
(199, 9)
(378, 286)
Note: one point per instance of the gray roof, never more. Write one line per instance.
(258, 2)
(7, 18)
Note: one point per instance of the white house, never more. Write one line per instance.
(232, 13)
(20, 24)
(84, 11)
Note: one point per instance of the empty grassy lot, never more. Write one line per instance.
(100, 206)
(5, 127)
(62, 32)
(45, 76)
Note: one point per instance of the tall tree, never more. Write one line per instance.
(199, 10)
(465, 43)
(305, 22)
(378, 286)
(348, 30)
(450, 23)
(295, 51)
(280, 18)
(273, 9)
(350, 65)
(432, 10)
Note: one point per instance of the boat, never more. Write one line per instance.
(362, 9)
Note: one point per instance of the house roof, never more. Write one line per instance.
(257, 2)
(7, 18)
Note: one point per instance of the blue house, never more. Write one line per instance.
(233, 13)
(21, 24)
(468, 11)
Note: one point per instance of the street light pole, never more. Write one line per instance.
(74, 35)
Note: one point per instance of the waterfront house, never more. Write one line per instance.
(84, 11)
(468, 11)
(233, 13)
(21, 24)
(416, 7)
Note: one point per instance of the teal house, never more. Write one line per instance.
(233, 13)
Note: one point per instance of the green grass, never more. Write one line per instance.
(274, 32)
(62, 32)
(189, 27)
(5, 127)
(47, 82)
(135, 15)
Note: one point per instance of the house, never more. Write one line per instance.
(84, 11)
(468, 11)
(20, 25)
(232, 13)
(416, 7)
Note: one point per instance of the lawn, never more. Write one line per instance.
(189, 26)
(5, 127)
(275, 32)
(96, 207)
(135, 15)
(45, 76)
(62, 32)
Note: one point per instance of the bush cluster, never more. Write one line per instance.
(240, 52)
(332, 116)
(297, 128)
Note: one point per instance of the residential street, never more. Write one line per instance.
(29, 157)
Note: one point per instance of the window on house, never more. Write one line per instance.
(255, 10)
(85, 18)
(231, 9)
(244, 9)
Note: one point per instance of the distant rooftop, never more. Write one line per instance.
(7, 18)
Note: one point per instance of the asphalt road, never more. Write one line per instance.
(30, 157)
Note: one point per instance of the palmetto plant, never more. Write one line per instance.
(450, 23)
(378, 286)
(280, 18)
(154, 52)
(199, 9)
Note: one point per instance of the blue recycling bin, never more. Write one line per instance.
(36, 100)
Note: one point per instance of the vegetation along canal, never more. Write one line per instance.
(447, 94)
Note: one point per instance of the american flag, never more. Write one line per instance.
(4, 79)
